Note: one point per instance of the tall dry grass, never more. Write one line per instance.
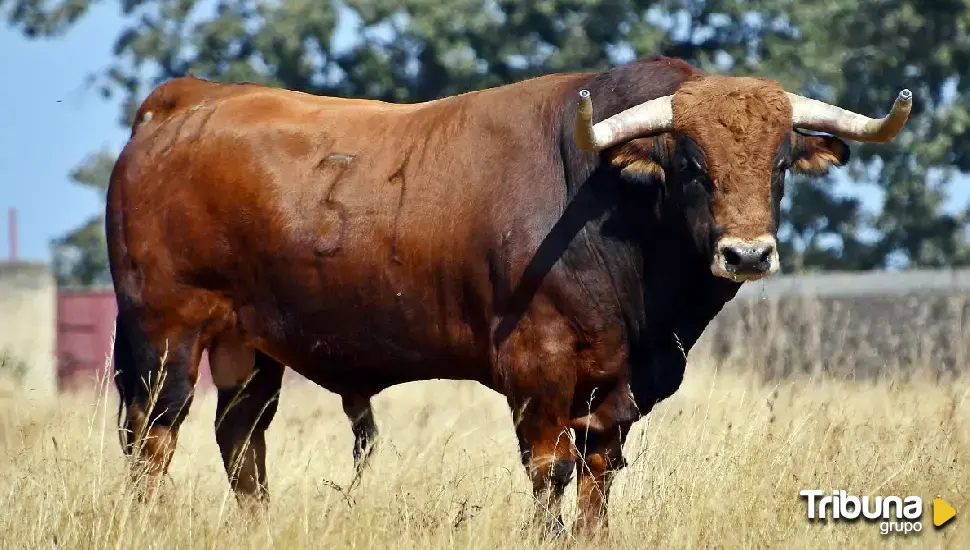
(720, 464)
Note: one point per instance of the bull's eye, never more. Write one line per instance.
(682, 164)
(691, 164)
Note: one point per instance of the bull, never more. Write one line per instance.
(563, 240)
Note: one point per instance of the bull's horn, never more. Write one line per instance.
(811, 114)
(649, 117)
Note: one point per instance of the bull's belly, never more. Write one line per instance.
(342, 345)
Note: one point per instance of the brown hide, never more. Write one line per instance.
(739, 122)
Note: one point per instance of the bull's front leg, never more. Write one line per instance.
(600, 436)
(540, 362)
(549, 456)
(601, 457)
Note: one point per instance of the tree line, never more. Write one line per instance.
(855, 53)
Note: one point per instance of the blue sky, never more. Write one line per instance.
(49, 122)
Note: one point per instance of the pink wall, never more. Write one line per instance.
(85, 323)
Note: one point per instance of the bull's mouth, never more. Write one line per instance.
(740, 259)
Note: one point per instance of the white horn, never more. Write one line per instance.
(649, 117)
(811, 114)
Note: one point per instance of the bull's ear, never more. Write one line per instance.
(815, 155)
(640, 159)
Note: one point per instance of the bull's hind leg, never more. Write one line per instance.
(155, 372)
(358, 409)
(248, 383)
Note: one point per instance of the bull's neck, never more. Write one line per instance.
(661, 284)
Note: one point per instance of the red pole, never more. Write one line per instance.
(12, 233)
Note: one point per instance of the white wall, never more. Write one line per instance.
(28, 311)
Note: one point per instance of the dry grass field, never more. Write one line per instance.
(719, 465)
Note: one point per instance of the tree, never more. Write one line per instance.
(856, 53)
(81, 256)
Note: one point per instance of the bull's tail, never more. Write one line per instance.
(126, 380)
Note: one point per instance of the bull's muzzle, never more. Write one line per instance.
(745, 259)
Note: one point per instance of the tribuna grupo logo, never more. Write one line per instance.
(903, 515)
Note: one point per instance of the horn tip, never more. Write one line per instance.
(906, 94)
(583, 94)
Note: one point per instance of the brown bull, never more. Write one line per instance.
(563, 240)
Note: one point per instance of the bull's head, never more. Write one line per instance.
(725, 144)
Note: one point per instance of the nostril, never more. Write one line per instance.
(765, 255)
(731, 257)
